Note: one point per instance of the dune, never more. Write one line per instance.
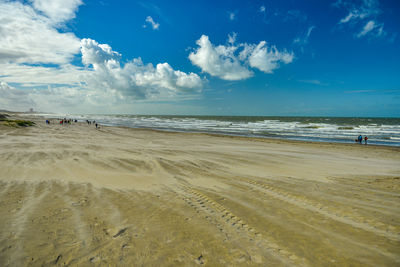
(79, 196)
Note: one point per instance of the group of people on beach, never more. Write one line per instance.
(67, 121)
(70, 121)
(360, 139)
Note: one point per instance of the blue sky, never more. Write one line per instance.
(318, 58)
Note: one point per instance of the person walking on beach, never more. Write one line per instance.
(365, 139)
(360, 138)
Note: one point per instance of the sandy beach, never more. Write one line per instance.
(78, 196)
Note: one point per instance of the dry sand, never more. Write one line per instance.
(73, 195)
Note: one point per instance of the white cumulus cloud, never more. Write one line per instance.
(267, 59)
(134, 79)
(57, 10)
(219, 61)
(28, 37)
(232, 62)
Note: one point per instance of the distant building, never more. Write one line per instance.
(31, 110)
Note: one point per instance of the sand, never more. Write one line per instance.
(79, 196)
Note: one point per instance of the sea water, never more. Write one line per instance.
(380, 131)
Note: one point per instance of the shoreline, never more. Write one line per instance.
(227, 135)
(332, 136)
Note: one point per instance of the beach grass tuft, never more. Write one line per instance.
(15, 123)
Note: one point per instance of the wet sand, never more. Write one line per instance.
(73, 195)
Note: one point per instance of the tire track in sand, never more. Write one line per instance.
(230, 224)
(361, 222)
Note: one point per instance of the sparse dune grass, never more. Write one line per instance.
(14, 123)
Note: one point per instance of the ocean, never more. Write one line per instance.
(380, 131)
